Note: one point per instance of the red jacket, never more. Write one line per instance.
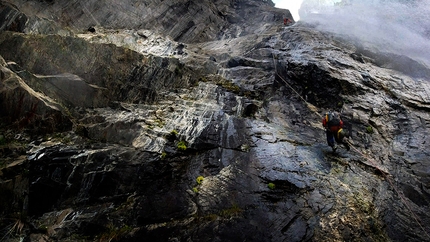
(332, 127)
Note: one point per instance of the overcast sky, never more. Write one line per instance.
(292, 5)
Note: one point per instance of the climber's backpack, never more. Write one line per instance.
(333, 121)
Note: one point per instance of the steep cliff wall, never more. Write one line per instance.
(137, 129)
(182, 20)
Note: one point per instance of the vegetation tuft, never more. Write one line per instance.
(228, 85)
(163, 155)
(199, 179)
(271, 186)
(227, 213)
(220, 81)
(230, 212)
(182, 145)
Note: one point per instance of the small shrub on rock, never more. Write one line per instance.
(199, 179)
(271, 186)
(163, 155)
(182, 145)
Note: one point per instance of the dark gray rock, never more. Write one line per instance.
(186, 21)
(11, 18)
(152, 139)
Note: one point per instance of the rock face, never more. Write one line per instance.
(201, 121)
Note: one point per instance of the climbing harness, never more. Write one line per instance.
(386, 174)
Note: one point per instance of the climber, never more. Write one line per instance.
(334, 130)
(287, 21)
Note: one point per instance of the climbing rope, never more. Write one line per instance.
(386, 174)
(310, 106)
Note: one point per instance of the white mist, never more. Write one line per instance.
(389, 26)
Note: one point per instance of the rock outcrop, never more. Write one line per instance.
(200, 121)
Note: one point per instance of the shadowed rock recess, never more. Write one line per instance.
(177, 120)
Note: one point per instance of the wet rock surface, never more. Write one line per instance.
(131, 131)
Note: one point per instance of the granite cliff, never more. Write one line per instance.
(201, 121)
